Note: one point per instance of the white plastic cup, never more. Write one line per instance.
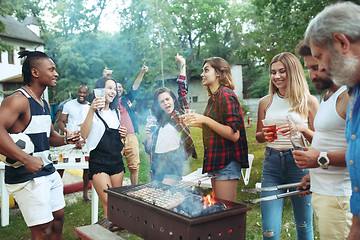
(100, 92)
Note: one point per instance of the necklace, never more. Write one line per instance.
(39, 101)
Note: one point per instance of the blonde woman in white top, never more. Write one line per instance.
(288, 95)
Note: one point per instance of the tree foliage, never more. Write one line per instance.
(278, 25)
(247, 32)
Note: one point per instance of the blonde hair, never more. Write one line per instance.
(297, 89)
(222, 68)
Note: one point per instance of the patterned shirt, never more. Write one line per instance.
(224, 107)
(352, 134)
(175, 121)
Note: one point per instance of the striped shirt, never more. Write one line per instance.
(38, 130)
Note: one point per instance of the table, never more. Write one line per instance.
(70, 165)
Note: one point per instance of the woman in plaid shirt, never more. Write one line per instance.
(224, 138)
(170, 144)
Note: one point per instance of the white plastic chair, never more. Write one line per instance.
(247, 170)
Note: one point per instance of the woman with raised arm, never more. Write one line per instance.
(288, 95)
(170, 144)
(103, 133)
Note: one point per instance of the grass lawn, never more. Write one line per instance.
(78, 214)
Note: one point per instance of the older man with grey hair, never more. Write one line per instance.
(334, 38)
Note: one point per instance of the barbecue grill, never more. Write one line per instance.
(151, 211)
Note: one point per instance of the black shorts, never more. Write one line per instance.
(108, 167)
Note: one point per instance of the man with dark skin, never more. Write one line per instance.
(74, 113)
(36, 186)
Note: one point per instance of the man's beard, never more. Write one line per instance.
(322, 84)
(343, 70)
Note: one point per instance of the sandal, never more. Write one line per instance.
(115, 228)
(105, 223)
(87, 199)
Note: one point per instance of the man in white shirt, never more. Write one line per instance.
(328, 174)
(73, 115)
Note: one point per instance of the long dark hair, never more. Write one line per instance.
(30, 62)
(100, 83)
(161, 116)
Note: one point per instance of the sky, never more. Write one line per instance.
(109, 21)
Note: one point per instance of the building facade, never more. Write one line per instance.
(19, 36)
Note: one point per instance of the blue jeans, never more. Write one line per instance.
(279, 168)
(232, 171)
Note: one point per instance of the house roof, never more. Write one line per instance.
(19, 31)
(30, 20)
(14, 79)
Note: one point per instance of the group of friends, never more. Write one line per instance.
(331, 53)
(108, 127)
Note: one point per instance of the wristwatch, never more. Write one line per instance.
(323, 160)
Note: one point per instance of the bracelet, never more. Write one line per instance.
(65, 142)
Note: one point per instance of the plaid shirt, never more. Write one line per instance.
(175, 121)
(224, 107)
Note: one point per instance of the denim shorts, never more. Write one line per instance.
(232, 171)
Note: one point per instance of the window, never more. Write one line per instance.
(22, 59)
(194, 99)
(11, 57)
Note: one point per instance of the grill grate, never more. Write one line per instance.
(160, 195)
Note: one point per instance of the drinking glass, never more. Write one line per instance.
(189, 111)
(295, 135)
(72, 131)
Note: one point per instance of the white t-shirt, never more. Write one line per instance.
(98, 127)
(76, 113)
(329, 137)
(168, 139)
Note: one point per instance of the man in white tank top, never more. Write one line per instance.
(328, 174)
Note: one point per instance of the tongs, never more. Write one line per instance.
(277, 196)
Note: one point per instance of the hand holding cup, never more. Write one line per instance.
(269, 130)
(99, 97)
(72, 134)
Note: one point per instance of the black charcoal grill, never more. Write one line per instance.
(154, 211)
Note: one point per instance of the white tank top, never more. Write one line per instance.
(276, 113)
(330, 136)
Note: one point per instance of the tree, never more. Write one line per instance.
(18, 9)
(278, 25)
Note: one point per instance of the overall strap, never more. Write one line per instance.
(106, 126)
(97, 113)
(118, 116)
